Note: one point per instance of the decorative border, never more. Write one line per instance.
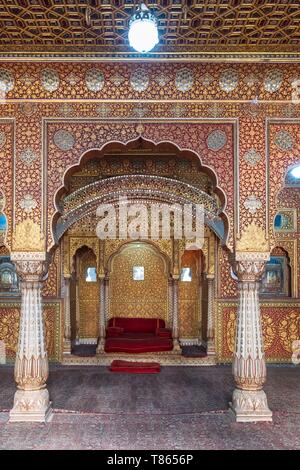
(110, 56)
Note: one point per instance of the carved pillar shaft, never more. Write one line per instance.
(31, 401)
(249, 401)
(175, 322)
(210, 315)
(67, 312)
(102, 322)
(106, 300)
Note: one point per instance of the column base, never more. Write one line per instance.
(250, 406)
(67, 347)
(176, 347)
(100, 346)
(31, 406)
(210, 349)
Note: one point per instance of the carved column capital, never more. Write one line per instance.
(30, 266)
(249, 266)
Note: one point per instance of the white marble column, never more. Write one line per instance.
(67, 319)
(175, 322)
(210, 315)
(102, 322)
(249, 401)
(31, 401)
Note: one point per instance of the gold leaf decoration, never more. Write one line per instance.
(28, 237)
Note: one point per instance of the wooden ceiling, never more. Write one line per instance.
(186, 26)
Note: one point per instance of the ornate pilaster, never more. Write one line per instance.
(249, 401)
(102, 322)
(31, 401)
(175, 323)
(67, 322)
(210, 315)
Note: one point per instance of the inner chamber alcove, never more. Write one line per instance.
(179, 282)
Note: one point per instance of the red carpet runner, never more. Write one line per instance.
(135, 367)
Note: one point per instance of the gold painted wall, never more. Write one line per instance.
(189, 298)
(88, 298)
(129, 298)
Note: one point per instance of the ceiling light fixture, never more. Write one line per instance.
(143, 30)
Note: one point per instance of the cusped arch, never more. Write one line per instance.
(161, 146)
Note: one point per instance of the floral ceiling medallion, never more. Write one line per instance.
(103, 110)
(28, 156)
(216, 140)
(228, 80)
(28, 109)
(252, 156)
(139, 80)
(184, 80)
(94, 80)
(64, 140)
(284, 140)
(65, 109)
(2, 139)
(49, 80)
(273, 80)
(253, 204)
(7, 81)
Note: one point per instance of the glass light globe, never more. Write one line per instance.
(296, 171)
(143, 32)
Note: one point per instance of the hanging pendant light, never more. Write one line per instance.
(143, 31)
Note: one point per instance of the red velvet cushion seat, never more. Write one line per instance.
(163, 333)
(114, 331)
(137, 335)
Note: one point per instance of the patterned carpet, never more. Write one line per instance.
(180, 408)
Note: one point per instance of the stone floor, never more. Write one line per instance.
(180, 408)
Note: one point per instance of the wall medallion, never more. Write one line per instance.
(2, 139)
(184, 79)
(49, 80)
(178, 110)
(28, 156)
(103, 110)
(273, 80)
(252, 157)
(284, 140)
(140, 111)
(6, 81)
(65, 109)
(28, 109)
(216, 140)
(28, 203)
(64, 140)
(139, 80)
(94, 79)
(252, 204)
(228, 80)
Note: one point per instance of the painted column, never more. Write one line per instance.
(31, 401)
(210, 315)
(106, 300)
(249, 401)
(175, 325)
(67, 312)
(102, 323)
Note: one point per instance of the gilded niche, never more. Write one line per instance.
(147, 297)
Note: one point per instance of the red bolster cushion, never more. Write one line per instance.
(114, 331)
(163, 333)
